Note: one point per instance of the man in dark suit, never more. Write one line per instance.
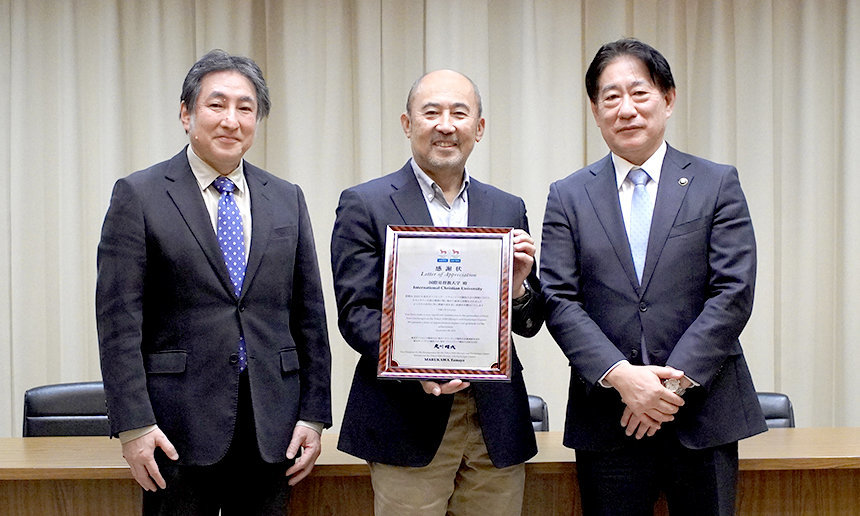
(433, 448)
(216, 367)
(647, 300)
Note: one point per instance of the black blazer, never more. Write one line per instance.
(169, 322)
(696, 297)
(395, 422)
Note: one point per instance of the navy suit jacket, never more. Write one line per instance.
(169, 322)
(695, 298)
(396, 422)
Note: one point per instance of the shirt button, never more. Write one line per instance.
(234, 358)
(643, 307)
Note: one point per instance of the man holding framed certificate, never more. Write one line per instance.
(439, 444)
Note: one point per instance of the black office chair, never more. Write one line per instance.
(778, 412)
(66, 409)
(539, 413)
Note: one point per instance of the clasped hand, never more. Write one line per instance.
(647, 403)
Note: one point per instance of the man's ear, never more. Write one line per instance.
(594, 112)
(479, 133)
(670, 96)
(185, 116)
(406, 123)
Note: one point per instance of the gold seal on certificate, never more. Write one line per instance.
(446, 303)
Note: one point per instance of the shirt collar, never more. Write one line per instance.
(431, 190)
(652, 165)
(205, 174)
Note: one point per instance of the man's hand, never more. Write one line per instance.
(308, 440)
(140, 455)
(437, 389)
(649, 404)
(639, 425)
(524, 259)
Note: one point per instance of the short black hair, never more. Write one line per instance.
(217, 61)
(658, 67)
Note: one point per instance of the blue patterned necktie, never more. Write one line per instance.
(231, 239)
(640, 219)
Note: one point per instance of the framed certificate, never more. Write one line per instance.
(446, 303)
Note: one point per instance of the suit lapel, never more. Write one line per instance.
(670, 195)
(261, 221)
(409, 201)
(480, 204)
(408, 198)
(184, 190)
(603, 193)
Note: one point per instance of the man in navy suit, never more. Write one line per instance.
(648, 270)
(433, 448)
(217, 374)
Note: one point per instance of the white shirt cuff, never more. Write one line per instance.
(602, 381)
(313, 425)
(131, 435)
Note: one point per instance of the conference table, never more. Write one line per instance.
(783, 471)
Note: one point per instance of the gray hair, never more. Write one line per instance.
(217, 61)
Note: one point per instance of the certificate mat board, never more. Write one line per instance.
(446, 303)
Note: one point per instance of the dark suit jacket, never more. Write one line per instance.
(395, 422)
(695, 298)
(169, 323)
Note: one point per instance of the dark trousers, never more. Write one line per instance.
(241, 483)
(628, 481)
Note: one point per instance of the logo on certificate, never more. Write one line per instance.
(451, 255)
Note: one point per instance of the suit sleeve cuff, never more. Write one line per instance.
(523, 299)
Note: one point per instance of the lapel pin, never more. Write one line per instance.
(683, 181)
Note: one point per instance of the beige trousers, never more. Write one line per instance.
(459, 481)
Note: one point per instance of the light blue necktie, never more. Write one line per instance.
(231, 239)
(640, 226)
(640, 219)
